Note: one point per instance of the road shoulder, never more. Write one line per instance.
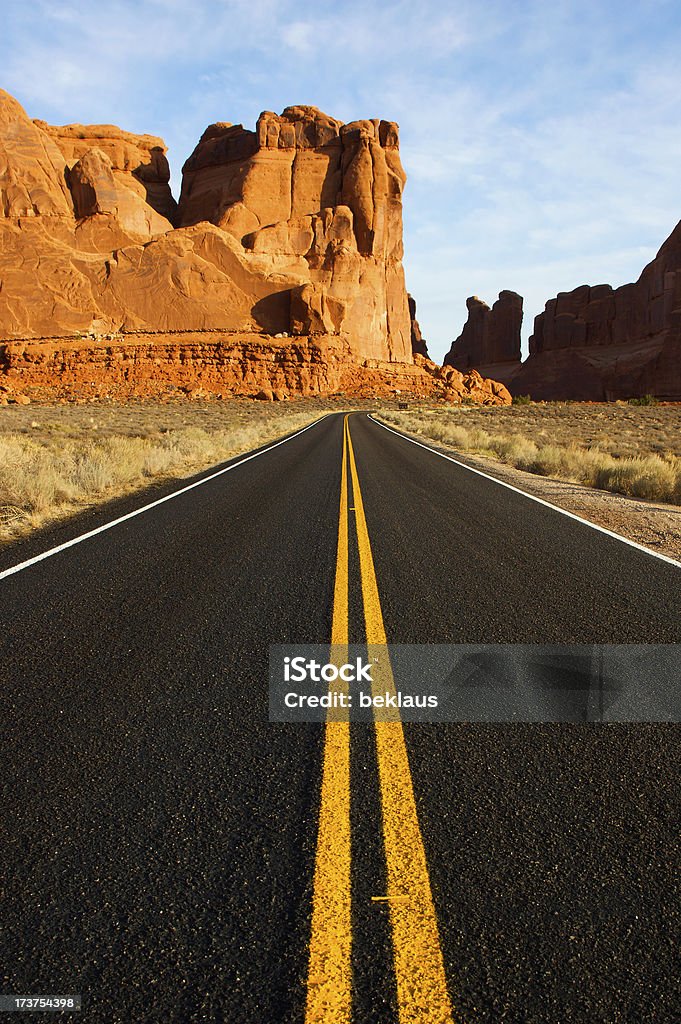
(655, 525)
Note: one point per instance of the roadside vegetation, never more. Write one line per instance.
(55, 461)
(611, 448)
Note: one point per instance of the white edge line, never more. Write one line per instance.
(152, 504)
(532, 497)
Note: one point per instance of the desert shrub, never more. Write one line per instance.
(522, 400)
(514, 449)
(649, 477)
(643, 400)
(652, 477)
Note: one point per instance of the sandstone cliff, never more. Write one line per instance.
(295, 228)
(285, 252)
(318, 203)
(115, 172)
(604, 343)
(32, 182)
(594, 343)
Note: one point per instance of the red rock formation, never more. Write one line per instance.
(148, 364)
(305, 232)
(593, 343)
(130, 171)
(285, 273)
(603, 344)
(205, 364)
(318, 203)
(32, 180)
(490, 340)
(419, 346)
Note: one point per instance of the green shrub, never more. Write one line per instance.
(643, 400)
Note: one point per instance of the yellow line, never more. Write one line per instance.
(329, 981)
(339, 625)
(421, 984)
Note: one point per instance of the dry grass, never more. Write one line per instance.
(58, 460)
(616, 428)
(624, 450)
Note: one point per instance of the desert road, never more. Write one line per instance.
(171, 855)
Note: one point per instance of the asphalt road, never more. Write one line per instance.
(159, 834)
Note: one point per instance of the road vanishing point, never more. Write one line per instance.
(172, 855)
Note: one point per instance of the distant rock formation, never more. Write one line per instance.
(419, 346)
(594, 343)
(490, 336)
(598, 343)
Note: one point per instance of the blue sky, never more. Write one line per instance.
(542, 140)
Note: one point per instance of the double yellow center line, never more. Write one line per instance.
(419, 970)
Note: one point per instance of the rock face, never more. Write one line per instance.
(594, 343)
(281, 269)
(320, 203)
(295, 228)
(604, 343)
(419, 346)
(208, 364)
(114, 172)
(490, 337)
(32, 182)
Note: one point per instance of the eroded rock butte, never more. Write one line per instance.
(590, 344)
(279, 269)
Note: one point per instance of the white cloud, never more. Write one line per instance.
(300, 36)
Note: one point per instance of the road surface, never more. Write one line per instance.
(172, 856)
